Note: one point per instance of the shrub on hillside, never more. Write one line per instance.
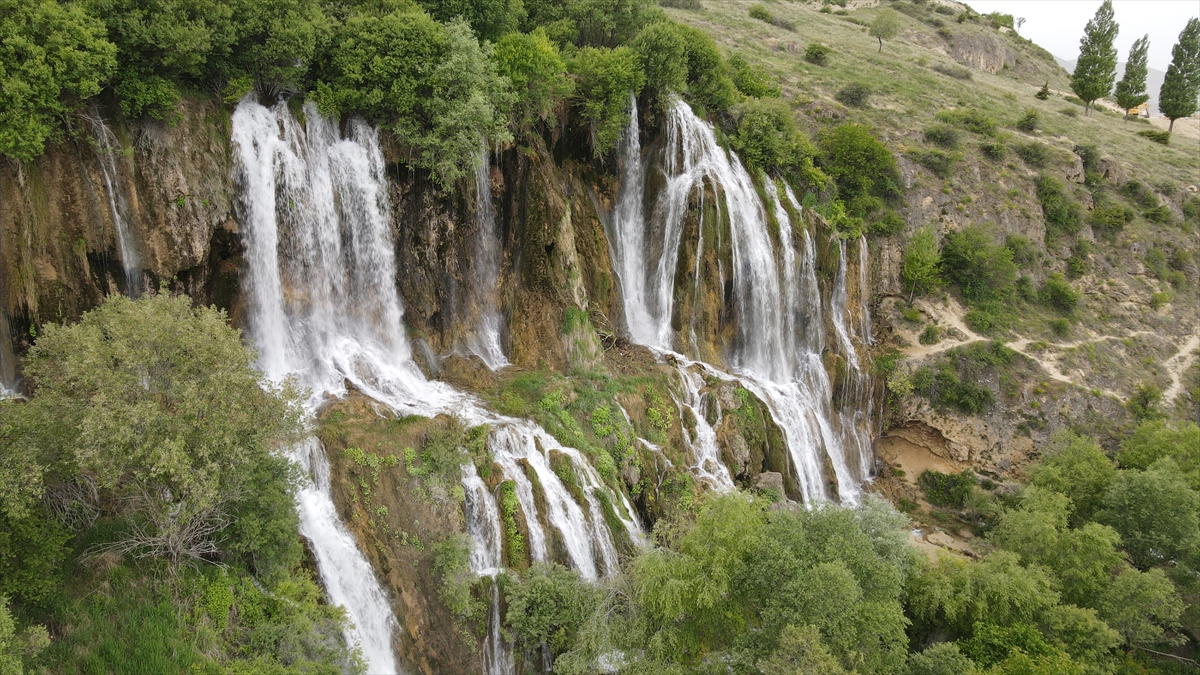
(944, 490)
(1160, 137)
(1028, 121)
(1059, 293)
(859, 162)
(761, 13)
(939, 162)
(855, 95)
(817, 54)
(1024, 253)
(682, 4)
(975, 121)
(752, 80)
(768, 139)
(994, 150)
(983, 269)
(957, 72)
(538, 75)
(662, 57)
(709, 82)
(942, 135)
(1063, 215)
(888, 225)
(1034, 154)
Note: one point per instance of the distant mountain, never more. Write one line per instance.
(1154, 79)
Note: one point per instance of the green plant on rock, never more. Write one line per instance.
(509, 507)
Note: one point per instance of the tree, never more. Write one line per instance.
(768, 139)
(52, 57)
(606, 78)
(920, 267)
(1131, 90)
(16, 647)
(1181, 86)
(1156, 439)
(943, 658)
(1020, 22)
(157, 404)
(859, 162)
(1096, 69)
(538, 75)
(800, 652)
(885, 26)
(1134, 507)
(1142, 606)
(1043, 93)
(983, 269)
(1077, 467)
(662, 56)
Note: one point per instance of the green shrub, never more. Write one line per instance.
(538, 75)
(1107, 220)
(682, 4)
(768, 139)
(982, 320)
(1060, 327)
(1160, 299)
(661, 52)
(1024, 252)
(752, 80)
(957, 72)
(817, 54)
(1059, 294)
(1160, 137)
(994, 150)
(859, 162)
(1028, 121)
(942, 135)
(939, 162)
(605, 79)
(1140, 194)
(761, 13)
(709, 82)
(931, 335)
(975, 121)
(1159, 214)
(590, 23)
(1069, 112)
(1043, 93)
(980, 267)
(921, 262)
(434, 86)
(1191, 210)
(855, 95)
(1063, 215)
(890, 224)
(1034, 154)
(52, 57)
(947, 490)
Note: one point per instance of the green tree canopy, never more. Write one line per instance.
(983, 269)
(606, 79)
(1181, 85)
(52, 57)
(920, 267)
(1136, 504)
(156, 404)
(859, 162)
(1076, 466)
(1096, 69)
(1156, 439)
(1131, 90)
(538, 75)
(885, 26)
(767, 138)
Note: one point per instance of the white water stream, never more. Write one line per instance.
(777, 352)
(484, 341)
(107, 147)
(323, 307)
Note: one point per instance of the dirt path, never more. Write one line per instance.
(1178, 365)
(949, 316)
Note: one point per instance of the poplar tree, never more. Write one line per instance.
(1181, 86)
(1131, 90)
(1096, 69)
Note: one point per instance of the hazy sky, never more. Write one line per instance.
(1057, 25)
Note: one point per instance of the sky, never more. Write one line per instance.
(1057, 25)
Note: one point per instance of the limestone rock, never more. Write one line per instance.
(769, 480)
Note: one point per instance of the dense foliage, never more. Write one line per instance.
(151, 442)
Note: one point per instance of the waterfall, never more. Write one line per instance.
(776, 353)
(323, 307)
(107, 147)
(839, 313)
(708, 467)
(485, 271)
(10, 384)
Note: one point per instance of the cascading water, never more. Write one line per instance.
(483, 525)
(107, 147)
(323, 307)
(10, 384)
(777, 353)
(485, 272)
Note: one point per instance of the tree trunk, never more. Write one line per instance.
(880, 44)
(1171, 126)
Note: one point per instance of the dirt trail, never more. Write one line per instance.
(950, 316)
(1178, 365)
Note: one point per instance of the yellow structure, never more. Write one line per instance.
(1142, 110)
